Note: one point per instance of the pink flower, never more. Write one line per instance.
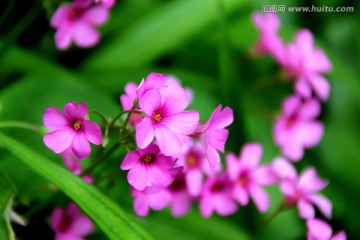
(165, 118)
(127, 102)
(248, 177)
(70, 130)
(216, 196)
(180, 202)
(76, 22)
(106, 3)
(320, 230)
(297, 128)
(268, 25)
(148, 167)
(212, 135)
(306, 64)
(70, 224)
(145, 200)
(302, 191)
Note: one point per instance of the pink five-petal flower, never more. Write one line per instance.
(213, 135)
(297, 127)
(181, 199)
(302, 191)
(269, 42)
(70, 223)
(165, 118)
(248, 177)
(70, 130)
(306, 64)
(320, 230)
(127, 102)
(149, 199)
(216, 195)
(76, 22)
(148, 168)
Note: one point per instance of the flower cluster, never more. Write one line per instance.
(76, 22)
(297, 127)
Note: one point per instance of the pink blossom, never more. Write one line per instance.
(70, 224)
(320, 230)
(106, 3)
(70, 131)
(165, 118)
(302, 191)
(127, 102)
(213, 135)
(268, 25)
(216, 196)
(76, 22)
(148, 199)
(297, 128)
(248, 177)
(148, 167)
(189, 91)
(306, 63)
(180, 202)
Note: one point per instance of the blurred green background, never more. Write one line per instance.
(207, 44)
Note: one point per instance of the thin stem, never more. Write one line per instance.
(100, 115)
(18, 124)
(20, 27)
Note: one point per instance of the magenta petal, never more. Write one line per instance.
(310, 182)
(306, 210)
(260, 197)
(141, 206)
(73, 110)
(224, 119)
(92, 132)
(153, 81)
(182, 123)
(56, 218)
(310, 109)
(60, 15)
(85, 35)
(339, 236)
(59, 140)
(150, 102)
(321, 86)
(194, 180)
(81, 146)
(265, 175)
(291, 105)
(137, 177)
(96, 15)
(54, 119)
(175, 98)
(63, 37)
(251, 155)
(158, 176)
(82, 225)
(168, 142)
(181, 204)
(305, 41)
(217, 138)
(213, 156)
(318, 229)
(287, 187)
(312, 133)
(303, 88)
(224, 205)
(130, 160)
(144, 133)
(241, 195)
(232, 167)
(322, 203)
(206, 206)
(283, 168)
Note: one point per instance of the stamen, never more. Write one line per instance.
(78, 125)
(191, 161)
(148, 158)
(156, 117)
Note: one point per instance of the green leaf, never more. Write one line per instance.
(105, 213)
(7, 192)
(157, 33)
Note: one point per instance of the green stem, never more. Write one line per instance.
(18, 124)
(100, 115)
(20, 27)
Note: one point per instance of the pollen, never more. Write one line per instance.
(148, 158)
(156, 117)
(191, 161)
(77, 125)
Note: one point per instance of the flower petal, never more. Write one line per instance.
(150, 102)
(251, 155)
(213, 156)
(318, 229)
(81, 146)
(169, 143)
(241, 195)
(175, 98)
(260, 198)
(194, 180)
(144, 133)
(56, 218)
(310, 182)
(182, 123)
(322, 203)
(92, 132)
(131, 159)
(96, 15)
(306, 210)
(85, 35)
(54, 119)
(137, 177)
(75, 111)
(320, 85)
(224, 119)
(59, 140)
